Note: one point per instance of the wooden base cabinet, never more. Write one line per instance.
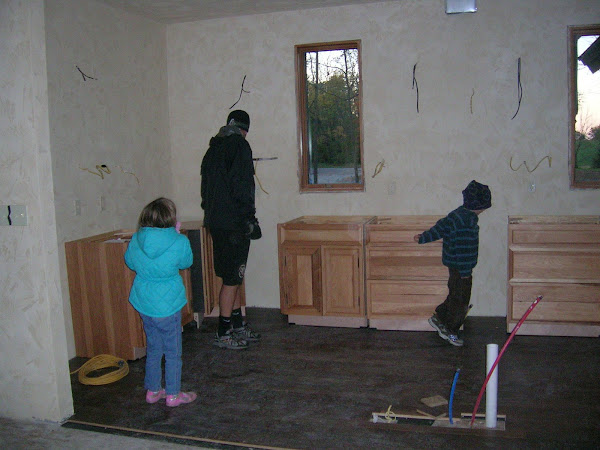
(321, 270)
(405, 280)
(359, 271)
(104, 322)
(557, 257)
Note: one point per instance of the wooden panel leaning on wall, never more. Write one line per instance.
(104, 322)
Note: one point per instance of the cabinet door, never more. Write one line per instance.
(301, 280)
(342, 281)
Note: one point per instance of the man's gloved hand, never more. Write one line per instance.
(253, 230)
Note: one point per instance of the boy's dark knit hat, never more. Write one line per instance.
(240, 118)
(477, 196)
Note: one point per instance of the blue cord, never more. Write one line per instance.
(452, 396)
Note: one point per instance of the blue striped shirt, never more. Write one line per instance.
(460, 232)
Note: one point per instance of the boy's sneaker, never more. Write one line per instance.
(437, 324)
(153, 397)
(245, 333)
(454, 339)
(450, 337)
(443, 332)
(230, 340)
(181, 398)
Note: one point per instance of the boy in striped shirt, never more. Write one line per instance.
(460, 233)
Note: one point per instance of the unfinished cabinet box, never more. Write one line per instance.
(405, 280)
(104, 322)
(321, 270)
(557, 257)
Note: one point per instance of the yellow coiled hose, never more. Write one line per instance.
(102, 362)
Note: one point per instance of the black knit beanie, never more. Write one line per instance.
(240, 118)
(477, 196)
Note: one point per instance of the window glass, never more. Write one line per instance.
(584, 117)
(329, 106)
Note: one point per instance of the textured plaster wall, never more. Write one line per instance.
(119, 119)
(52, 124)
(431, 155)
(34, 376)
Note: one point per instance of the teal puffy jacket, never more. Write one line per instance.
(156, 255)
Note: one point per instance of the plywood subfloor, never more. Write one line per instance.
(317, 387)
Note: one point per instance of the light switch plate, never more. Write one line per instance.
(461, 6)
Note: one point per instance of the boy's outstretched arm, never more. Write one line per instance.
(441, 229)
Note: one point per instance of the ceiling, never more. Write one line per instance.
(176, 11)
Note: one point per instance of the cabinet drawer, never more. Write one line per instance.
(404, 298)
(582, 293)
(556, 234)
(386, 230)
(387, 236)
(556, 265)
(417, 263)
(572, 312)
(560, 302)
(345, 235)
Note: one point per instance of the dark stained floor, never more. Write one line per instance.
(317, 387)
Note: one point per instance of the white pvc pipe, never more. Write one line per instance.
(491, 391)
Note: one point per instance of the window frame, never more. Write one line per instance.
(574, 33)
(303, 160)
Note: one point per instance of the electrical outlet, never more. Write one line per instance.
(77, 207)
(13, 215)
(531, 187)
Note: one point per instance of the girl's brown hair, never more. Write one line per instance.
(159, 213)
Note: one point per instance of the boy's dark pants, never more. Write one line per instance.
(454, 309)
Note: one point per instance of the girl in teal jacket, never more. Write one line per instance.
(156, 253)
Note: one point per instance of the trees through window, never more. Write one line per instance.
(329, 111)
(584, 114)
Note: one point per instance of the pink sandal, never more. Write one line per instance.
(181, 398)
(153, 397)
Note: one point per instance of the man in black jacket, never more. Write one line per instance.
(229, 214)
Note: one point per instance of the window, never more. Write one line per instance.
(329, 110)
(584, 106)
